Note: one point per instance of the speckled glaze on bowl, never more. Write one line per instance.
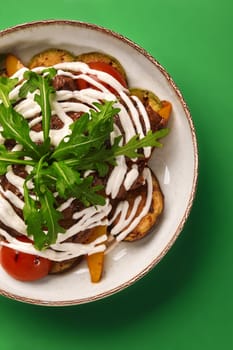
(176, 164)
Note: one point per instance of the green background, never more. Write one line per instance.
(186, 302)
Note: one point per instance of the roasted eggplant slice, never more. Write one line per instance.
(150, 219)
(63, 266)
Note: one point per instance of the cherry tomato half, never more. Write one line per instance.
(23, 266)
(104, 67)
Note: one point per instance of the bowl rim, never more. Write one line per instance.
(185, 107)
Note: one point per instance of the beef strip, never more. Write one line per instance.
(62, 82)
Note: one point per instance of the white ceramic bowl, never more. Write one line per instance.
(176, 164)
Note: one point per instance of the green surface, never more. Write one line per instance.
(186, 302)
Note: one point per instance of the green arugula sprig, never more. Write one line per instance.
(60, 169)
(9, 158)
(13, 124)
(43, 84)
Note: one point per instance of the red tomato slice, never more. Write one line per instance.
(104, 67)
(23, 266)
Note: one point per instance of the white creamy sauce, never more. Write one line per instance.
(66, 204)
(28, 108)
(14, 199)
(135, 219)
(116, 177)
(131, 177)
(130, 117)
(57, 252)
(9, 216)
(2, 140)
(15, 180)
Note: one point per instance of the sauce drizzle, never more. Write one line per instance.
(132, 114)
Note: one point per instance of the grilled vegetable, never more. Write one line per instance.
(165, 110)
(21, 266)
(98, 57)
(9, 64)
(154, 106)
(149, 220)
(95, 261)
(50, 57)
(13, 64)
(148, 98)
(62, 266)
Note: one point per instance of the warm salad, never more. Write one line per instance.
(75, 141)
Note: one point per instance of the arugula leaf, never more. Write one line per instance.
(33, 220)
(9, 158)
(41, 216)
(50, 215)
(67, 179)
(89, 131)
(40, 212)
(37, 174)
(88, 194)
(102, 158)
(43, 83)
(135, 143)
(98, 160)
(101, 120)
(6, 85)
(76, 143)
(16, 127)
(70, 184)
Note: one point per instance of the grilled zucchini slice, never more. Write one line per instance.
(159, 110)
(148, 98)
(102, 57)
(50, 57)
